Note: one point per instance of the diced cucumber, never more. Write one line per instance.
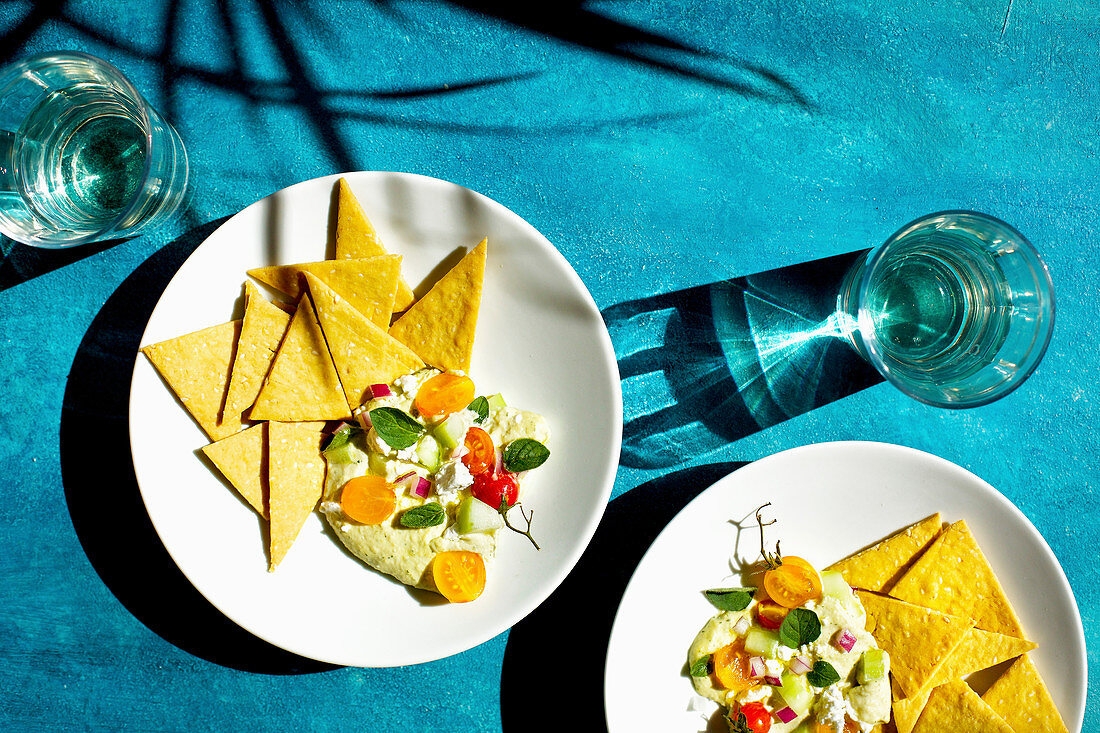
(450, 432)
(340, 453)
(796, 692)
(496, 401)
(872, 666)
(475, 515)
(762, 642)
(429, 453)
(833, 584)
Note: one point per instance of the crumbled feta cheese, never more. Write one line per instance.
(756, 694)
(330, 507)
(831, 707)
(773, 667)
(451, 478)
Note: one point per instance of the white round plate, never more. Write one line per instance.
(540, 341)
(830, 500)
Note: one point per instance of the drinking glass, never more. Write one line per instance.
(955, 309)
(83, 157)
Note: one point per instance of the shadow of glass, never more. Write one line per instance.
(571, 629)
(22, 262)
(105, 505)
(709, 365)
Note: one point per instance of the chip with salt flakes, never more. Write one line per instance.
(1020, 697)
(196, 366)
(954, 577)
(264, 326)
(296, 476)
(955, 707)
(440, 326)
(878, 567)
(356, 238)
(241, 458)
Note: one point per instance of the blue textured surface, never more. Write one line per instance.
(660, 146)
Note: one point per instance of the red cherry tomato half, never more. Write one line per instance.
(757, 717)
(482, 454)
(770, 614)
(491, 488)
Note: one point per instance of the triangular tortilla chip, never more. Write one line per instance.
(955, 707)
(356, 238)
(242, 459)
(978, 650)
(363, 353)
(196, 366)
(296, 477)
(918, 640)
(953, 576)
(263, 329)
(1020, 697)
(878, 567)
(302, 384)
(368, 284)
(440, 326)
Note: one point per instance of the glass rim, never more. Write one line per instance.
(1044, 327)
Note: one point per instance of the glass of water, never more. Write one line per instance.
(83, 157)
(955, 309)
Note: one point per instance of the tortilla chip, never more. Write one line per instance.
(363, 353)
(440, 326)
(978, 650)
(302, 384)
(955, 707)
(880, 566)
(296, 477)
(264, 326)
(953, 576)
(242, 459)
(1020, 697)
(918, 640)
(356, 238)
(196, 366)
(368, 284)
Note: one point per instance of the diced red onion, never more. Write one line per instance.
(785, 715)
(773, 681)
(380, 390)
(756, 666)
(364, 420)
(742, 626)
(423, 487)
(800, 664)
(844, 639)
(498, 460)
(339, 427)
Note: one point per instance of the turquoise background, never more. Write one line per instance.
(659, 146)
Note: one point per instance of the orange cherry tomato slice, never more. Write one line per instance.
(770, 614)
(459, 575)
(731, 667)
(368, 499)
(443, 394)
(792, 583)
(482, 454)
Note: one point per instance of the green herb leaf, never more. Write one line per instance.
(397, 428)
(801, 626)
(524, 454)
(730, 599)
(822, 675)
(428, 515)
(737, 722)
(700, 667)
(338, 443)
(480, 405)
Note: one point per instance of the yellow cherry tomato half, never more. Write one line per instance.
(459, 575)
(368, 499)
(731, 667)
(792, 583)
(443, 394)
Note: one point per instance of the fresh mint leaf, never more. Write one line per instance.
(738, 722)
(397, 428)
(480, 405)
(801, 626)
(427, 515)
(524, 454)
(822, 675)
(730, 599)
(700, 667)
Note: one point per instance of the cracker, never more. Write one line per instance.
(880, 566)
(302, 384)
(440, 326)
(264, 326)
(918, 640)
(196, 366)
(370, 284)
(296, 476)
(954, 577)
(242, 459)
(1020, 697)
(356, 238)
(955, 707)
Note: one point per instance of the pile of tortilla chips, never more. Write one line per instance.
(934, 604)
(262, 388)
